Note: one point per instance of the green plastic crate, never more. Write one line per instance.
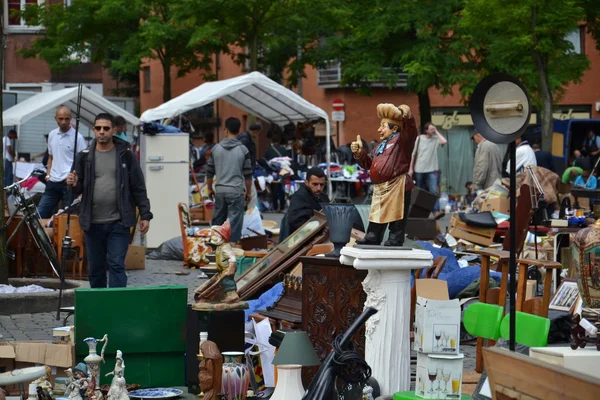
(148, 324)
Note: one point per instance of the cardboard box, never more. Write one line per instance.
(437, 319)
(584, 361)
(136, 257)
(480, 236)
(439, 376)
(39, 352)
(497, 205)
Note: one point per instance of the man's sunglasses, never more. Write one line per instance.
(102, 128)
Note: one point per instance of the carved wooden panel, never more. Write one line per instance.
(332, 299)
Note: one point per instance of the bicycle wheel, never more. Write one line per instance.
(43, 241)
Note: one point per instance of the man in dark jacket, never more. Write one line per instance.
(111, 183)
(247, 138)
(544, 158)
(307, 199)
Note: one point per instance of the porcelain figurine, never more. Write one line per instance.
(70, 382)
(43, 384)
(221, 288)
(79, 383)
(390, 168)
(586, 259)
(93, 360)
(211, 370)
(118, 386)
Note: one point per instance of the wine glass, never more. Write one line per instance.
(439, 379)
(438, 336)
(445, 339)
(432, 375)
(446, 378)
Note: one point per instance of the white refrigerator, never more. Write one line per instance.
(165, 162)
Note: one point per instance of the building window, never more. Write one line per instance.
(147, 80)
(577, 39)
(12, 9)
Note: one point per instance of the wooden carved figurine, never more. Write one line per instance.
(211, 370)
(221, 289)
(390, 168)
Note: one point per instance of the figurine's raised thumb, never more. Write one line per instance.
(358, 139)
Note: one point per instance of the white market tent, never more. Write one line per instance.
(254, 93)
(92, 104)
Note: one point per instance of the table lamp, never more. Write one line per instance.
(296, 351)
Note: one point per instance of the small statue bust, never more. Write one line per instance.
(221, 288)
(211, 369)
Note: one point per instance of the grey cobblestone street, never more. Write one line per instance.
(157, 273)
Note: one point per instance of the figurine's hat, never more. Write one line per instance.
(224, 230)
(81, 367)
(390, 113)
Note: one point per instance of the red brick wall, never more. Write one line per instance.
(21, 70)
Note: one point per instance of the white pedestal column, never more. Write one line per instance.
(387, 286)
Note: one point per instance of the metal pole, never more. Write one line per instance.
(513, 244)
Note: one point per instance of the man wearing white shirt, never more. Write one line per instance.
(9, 156)
(525, 156)
(61, 142)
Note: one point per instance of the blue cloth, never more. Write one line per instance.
(382, 145)
(107, 244)
(591, 183)
(457, 278)
(267, 299)
(122, 136)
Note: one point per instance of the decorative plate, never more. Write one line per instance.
(22, 375)
(158, 393)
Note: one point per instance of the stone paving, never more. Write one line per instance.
(39, 326)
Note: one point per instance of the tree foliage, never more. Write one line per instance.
(528, 38)
(265, 35)
(119, 34)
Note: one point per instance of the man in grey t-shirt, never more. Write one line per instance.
(425, 158)
(112, 186)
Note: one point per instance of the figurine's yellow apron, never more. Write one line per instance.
(388, 201)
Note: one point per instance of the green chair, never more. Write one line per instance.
(532, 330)
(483, 320)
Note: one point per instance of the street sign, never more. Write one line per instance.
(338, 116)
(338, 105)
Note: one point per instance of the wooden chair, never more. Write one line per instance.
(193, 246)
(77, 234)
(536, 306)
(498, 295)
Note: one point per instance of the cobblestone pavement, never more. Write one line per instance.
(39, 326)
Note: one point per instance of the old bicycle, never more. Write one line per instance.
(27, 209)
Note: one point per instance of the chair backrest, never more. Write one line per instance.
(483, 320)
(185, 218)
(532, 330)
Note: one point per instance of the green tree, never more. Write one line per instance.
(386, 38)
(527, 38)
(265, 35)
(119, 34)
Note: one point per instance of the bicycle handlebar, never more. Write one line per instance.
(21, 181)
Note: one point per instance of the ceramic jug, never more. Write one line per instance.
(585, 256)
(93, 359)
(236, 376)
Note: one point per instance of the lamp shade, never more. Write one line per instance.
(296, 349)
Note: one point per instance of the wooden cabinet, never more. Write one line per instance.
(333, 298)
